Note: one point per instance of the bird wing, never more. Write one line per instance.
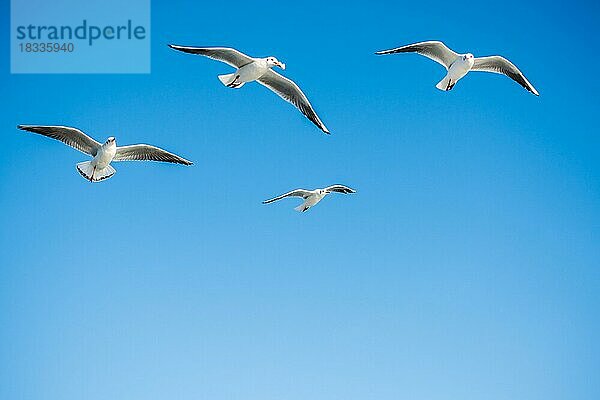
(339, 189)
(227, 55)
(70, 136)
(435, 50)
(145, 152)
(290, 92)
(294, 193)
(501, 65)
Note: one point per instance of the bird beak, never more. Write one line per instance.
(281, 65)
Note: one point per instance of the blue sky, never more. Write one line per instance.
(466, 266)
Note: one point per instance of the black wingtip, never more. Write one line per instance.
(27, 128)
(183, 161)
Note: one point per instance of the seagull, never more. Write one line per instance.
(458, 65)
(99, 167)
(312, 197)
(250, 69)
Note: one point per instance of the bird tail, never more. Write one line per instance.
(94, 174)
(445, 84)
(302, 207)
(228, 79)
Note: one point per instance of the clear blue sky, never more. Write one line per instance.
(466, 266)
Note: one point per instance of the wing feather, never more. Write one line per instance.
(434, 50)
(340, 189)
(227, 55)
(501, 65)
(70, 136)
(294, 193)
(145, 152)
(290, 92)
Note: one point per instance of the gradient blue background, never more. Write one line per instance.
(466, 266)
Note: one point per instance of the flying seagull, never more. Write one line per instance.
(250, 69)
(312, 197)
(458, 65)
(99, 167)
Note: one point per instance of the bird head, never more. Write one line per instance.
(273, 62)
(468, 56)
(111, 140)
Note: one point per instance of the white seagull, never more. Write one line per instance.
(458, 65)
(103, 154)
(250, 69)
(312, 197)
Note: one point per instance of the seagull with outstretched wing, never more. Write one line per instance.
(250, 69)
(311, 197)
(458, 65)
(99, 167)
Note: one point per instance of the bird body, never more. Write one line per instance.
(311, 197)
(458, 69)
(246, 73)
(106, 153)
(99, 168)
(458, 65)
